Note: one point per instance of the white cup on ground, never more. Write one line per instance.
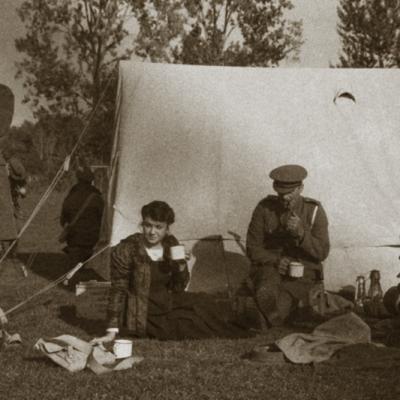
(178, 252)
(296, 269)
(122, 348)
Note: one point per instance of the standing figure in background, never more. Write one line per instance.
(18, 180)
(286, 228)
(81, 216)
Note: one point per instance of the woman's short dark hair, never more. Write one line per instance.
(159, 211)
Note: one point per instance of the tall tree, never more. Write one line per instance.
(370, 33)
(70, 50)
(217, 32)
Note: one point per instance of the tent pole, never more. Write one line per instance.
(224, 261)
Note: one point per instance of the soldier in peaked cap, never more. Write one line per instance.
(286, 228)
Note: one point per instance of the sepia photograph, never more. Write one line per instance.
(198, 199)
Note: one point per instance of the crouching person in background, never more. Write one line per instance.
(148, 297)
(287, 240)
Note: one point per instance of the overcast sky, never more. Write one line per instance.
(320, 48)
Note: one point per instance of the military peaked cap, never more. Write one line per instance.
(287, 177)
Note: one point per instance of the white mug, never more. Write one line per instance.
(122, 348)
(178, 252)
(296, 269)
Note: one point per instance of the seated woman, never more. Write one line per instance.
(147, 297)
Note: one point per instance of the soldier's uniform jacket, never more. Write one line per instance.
(130, 282)
(268, 240)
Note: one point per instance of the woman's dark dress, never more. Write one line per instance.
(186, 315)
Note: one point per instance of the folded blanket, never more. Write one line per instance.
(325, 339)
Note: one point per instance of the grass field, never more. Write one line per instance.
(207, 369)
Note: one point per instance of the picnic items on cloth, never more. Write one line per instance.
(75, 355)
(325, 340)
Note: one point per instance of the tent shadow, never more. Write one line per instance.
(92, 327)
(216, 270)
(53, 265)
(47, 265)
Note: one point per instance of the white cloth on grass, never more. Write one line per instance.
(75, 355)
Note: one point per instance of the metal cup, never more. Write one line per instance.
(296, 269)
(122, 348)
(178, 252)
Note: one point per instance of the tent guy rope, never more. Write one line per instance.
(67, 275)
(59, 173)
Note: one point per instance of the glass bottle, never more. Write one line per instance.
(360, 293)
(375, 290)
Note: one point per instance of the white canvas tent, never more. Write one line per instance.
(205, 138)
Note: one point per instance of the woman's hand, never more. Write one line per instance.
(188, 255)
(181, 266)
(283, 265)
(109, 337)
(295, 226)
